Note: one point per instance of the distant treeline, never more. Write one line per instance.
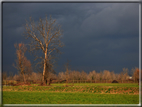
(94, 76)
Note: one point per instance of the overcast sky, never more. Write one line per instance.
(97, 36)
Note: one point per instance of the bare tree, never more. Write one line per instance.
(71, 75)
(116, 76)
(133, 72)
(113, 76)
(15, 77)
(83, 75)
(101, 76)
(106, 75)
(124, 74)
(92, 75)
(78, 75)
(34, 76)
(98, 76)
(45, 38)
(10, 77)
(22, 64)
(136, 75)
(67, 72)
(4, 75)
(75, 75)
(62, 76)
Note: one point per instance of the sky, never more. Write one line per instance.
(97, 36)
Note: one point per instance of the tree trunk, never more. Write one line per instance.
(24, 78)
(44, 68)
(50, 80)
(43, 78)
(46, 81)
(138, 81)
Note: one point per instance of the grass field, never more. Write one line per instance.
(79, 93)
(67, 98)
(100, 84)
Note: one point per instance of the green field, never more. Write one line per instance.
(67, 98)
(83, 93)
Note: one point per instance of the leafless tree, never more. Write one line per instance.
(106, 75)
(124, 74)
(75, 75)
(71, 75)
(98, 76)
(116, 76)
(78, 75)
(22, 64)
(4, 75)
(34, 76)
(101, 76)
(83, 75)
(45, 38)
(136, 74)
(16, 77)
(10, 76)
(113, 76)
(53, 76)
(67, 71)
(62, 76)
(133, 72)
(92, 75)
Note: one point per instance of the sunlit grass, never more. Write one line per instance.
(67, 98)
(76, 88)
(78, 93)
(99, 84)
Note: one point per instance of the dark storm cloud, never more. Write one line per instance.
(96, 35)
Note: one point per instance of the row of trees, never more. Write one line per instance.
(76, 75)
(99, 76)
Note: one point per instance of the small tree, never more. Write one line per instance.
(134, 72)
(22, 64)
(136, 75)
(10, 77)
(16, 77)
(101, 76)
(4, 75)
(75, 75)
(34, 76)
(124, 74)
(92, 75)
(83, 75)
(113, 77)
(67, 72)
(98, 76)
(106, 75)
(62, 76)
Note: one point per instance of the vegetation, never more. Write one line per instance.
(67, 98)
(87, 87)
(78, 77)
(69, 87)
(22, 64)
(88, 93)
